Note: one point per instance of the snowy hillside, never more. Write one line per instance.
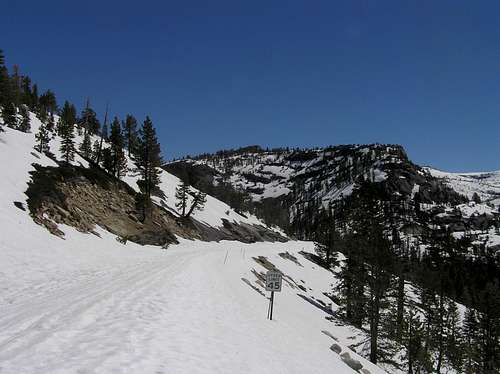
(486, 185)
(273, 174)
(89, 304)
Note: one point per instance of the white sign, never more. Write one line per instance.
(273, 281)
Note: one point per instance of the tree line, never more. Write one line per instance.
(109, 145)
(405, 297)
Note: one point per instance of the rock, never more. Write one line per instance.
(336, 348)
(365, 371)
(352, 363)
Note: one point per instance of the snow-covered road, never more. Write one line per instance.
(178, 311)
(89, 304)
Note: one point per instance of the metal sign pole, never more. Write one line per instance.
(273, 284)
(272, 305)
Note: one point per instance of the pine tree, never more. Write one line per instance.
(25, 125)
(107, 160)
(48, 101)
(471, 341)
(130, 129)
(67, 118)
(182, 194)
(66, 132)
(96, 151)
(9, 114)
(453, 335)
(88, 120)
(86, 146)
(42, 139)
(104, 135)
(5, 88)
(199, 201)
(51, 125)
(147, 157)
(117, 153)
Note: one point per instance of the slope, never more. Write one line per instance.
(88, 304)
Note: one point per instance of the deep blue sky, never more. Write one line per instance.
(222, 74)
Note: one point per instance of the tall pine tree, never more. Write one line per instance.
(147, 157)
(119, 161)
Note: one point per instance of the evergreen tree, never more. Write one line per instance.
(9, 114)
(25, 125)
(199, 201)
(471, 342)
(67, 118)
(147, 157)
(96, 151)
(130, 129)
(66, 132)
(453, 334)
(104, 135)
(117, 153)
(182, 194)
(107, 160)
(48, 101)
(42, 139)
(51, 125)
(88, 120)
(86, 146)
(5, 89)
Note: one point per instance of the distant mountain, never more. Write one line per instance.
(292, 187)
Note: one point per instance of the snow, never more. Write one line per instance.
(486, 184)
(89, 304)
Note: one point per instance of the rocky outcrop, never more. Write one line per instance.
(87, 197)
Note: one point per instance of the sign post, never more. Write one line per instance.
(273, 284)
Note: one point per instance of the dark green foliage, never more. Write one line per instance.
(182, 194)
(86, 146)
(147, 157)
(9, 115)
(88, 120)
(107, 160)
(48, 101)
(42, 139)
(130, 131)
(65, 129)
(198, 203)
(119, 161)
(96, 151)
(25, 124)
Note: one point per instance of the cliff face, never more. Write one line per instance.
(84, 198)
(293, 187)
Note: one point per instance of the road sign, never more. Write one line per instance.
(273, 281)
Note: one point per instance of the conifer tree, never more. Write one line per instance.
(48, 101)
(104, 134)
(107, 160)
(5, 89)
(199, 201)
(116, 140)
(66, 132)
(88, 120)
(96, 150)
(9, 114)
(25, 125)
(147, 157)
(130, 129)
(86, 146)
(67, 118)
(182, 194)
(471, 341)
(42, 139)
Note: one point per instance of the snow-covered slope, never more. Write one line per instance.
(89, 304)
(486, 185)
